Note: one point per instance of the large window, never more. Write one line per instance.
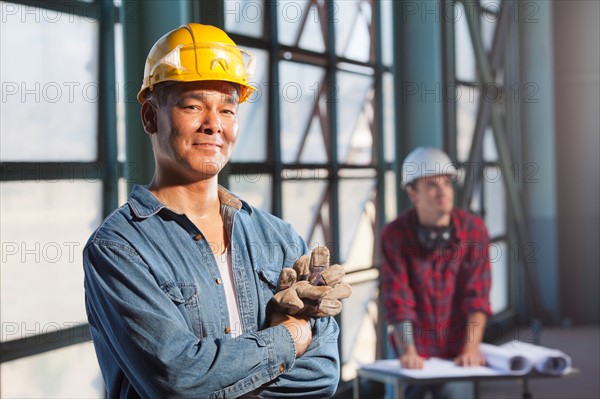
(58, 171)
(316, 149)
(316, 142)
(470, 98)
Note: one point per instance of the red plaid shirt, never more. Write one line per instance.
(438, 289)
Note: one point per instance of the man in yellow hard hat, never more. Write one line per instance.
(179, 280)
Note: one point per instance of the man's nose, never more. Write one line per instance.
(211, 122)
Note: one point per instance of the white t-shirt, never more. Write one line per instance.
(226, 270)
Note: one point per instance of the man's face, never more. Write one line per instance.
(432, 196)
(195, 131)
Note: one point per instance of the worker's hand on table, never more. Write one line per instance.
(470, 358)
(410, 359)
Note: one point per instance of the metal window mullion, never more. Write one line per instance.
(378, 105)
(107, 122)
(41, 343)
(211, 12)
(332, 100)
(449, 76)
(273, 113)
(50, 171)
(378, 125)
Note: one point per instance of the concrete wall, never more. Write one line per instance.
(577, 117)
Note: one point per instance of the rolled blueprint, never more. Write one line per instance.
(505, 359)
(545, 360)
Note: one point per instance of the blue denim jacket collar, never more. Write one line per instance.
(144, 204)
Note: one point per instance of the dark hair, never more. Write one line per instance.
(161, 93)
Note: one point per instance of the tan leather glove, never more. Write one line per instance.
(312, 287)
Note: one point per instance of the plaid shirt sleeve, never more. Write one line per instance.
(474, 280)
(398, 297)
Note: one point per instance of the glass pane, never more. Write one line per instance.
(254, 188)
(49, 87)
(475, 204)
(251, 143)
(301, 100)
(389, 115)
(355, 117)
(390, 196)
(359, 336)
(490, 154)
(70, 372)
(499, 79)
(465, 58)
(314, 149)
(494, 201)
(300, 24)
(360, 253)
(44, 228)
(123, 192)
(302, 201)
(488, 28)
(356, 214)
(357, 173)
(318, 237)
(499, 259)
(467, 99)
(245, 17)
(120, 77)
(352, 21)
(387, 34)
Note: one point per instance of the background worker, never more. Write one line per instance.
(179, 280)
(435, 273)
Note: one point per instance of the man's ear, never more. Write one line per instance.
(149, 117)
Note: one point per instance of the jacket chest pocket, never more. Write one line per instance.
(185, 296)
(267, 285)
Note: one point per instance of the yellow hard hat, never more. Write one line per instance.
(196, 52)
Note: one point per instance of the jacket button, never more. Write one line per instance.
(281, 368)
(227, 330)
(218, 281)
(198, 237)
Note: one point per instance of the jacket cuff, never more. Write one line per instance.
(281, 350)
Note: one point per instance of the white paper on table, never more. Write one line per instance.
(545, 360)
(432, 368)
(505, 359)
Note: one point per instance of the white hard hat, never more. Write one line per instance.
(426, 161)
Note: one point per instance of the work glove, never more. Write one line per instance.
(312, 287)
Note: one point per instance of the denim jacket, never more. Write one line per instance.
(158, 313)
